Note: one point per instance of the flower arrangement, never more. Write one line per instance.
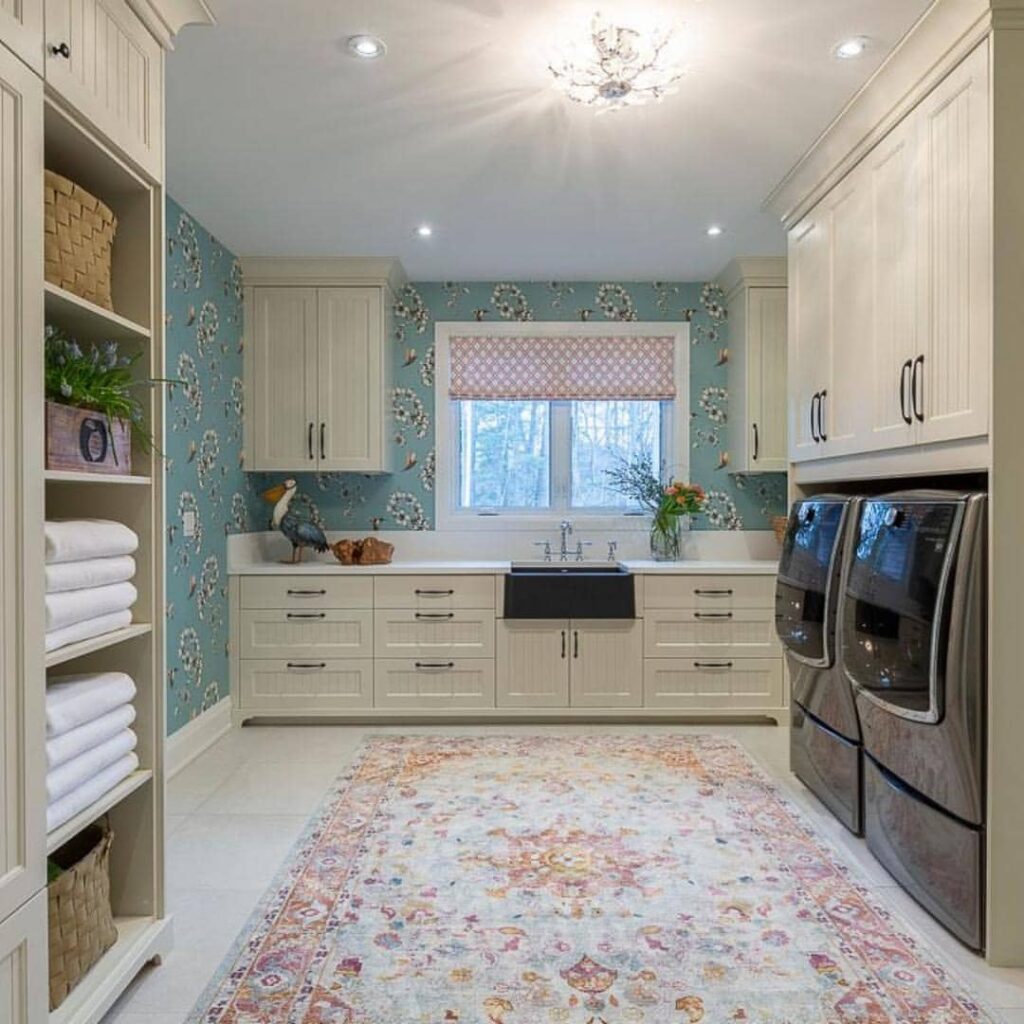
(99, 379)
(666, 502)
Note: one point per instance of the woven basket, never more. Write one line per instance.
(81, 921)
(79, 239)
(779, 524)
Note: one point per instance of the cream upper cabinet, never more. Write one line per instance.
(22, 827)
(755, 291)
(318, 364)
(281, 378)
(21, 30)
(102, 60)
(951, 371)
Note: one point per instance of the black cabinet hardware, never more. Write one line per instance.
(307, 593)
(434, 593)
(918, 408)
(712, 615)
(575, 643)
(814, 424)
(822, 436)
(904, 373)
(61, 50)
(757, 443)
(309, 441)
(563, 643)
(435, 664)
(306, 615)
(712, 664)
(713, 593)
(435, 616)
(323, 453)
(310, 665)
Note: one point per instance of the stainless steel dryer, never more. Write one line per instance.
(912, 641)
(825, 751)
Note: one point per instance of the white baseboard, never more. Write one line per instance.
(200, 734)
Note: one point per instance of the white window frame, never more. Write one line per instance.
(450, 516)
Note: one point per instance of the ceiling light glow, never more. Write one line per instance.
(424, 231)
(715, 230)
(366, 47)
(849, 49)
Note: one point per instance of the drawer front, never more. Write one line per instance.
(401, 633)
(301, 634)
(709, 593)
(713, 684)
(743, 633)
(434, 593)
(422, 684)
(307, 684)
(298, 592)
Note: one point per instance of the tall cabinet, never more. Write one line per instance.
(81, 93)
(318, 359)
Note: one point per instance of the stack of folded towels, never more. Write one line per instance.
(88, 568)
(90, 745)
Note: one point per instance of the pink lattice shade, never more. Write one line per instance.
(563, 367)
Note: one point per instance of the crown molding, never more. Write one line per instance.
(166, 18)
(323, 272)
(753, 272)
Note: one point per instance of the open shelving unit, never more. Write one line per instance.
(134, 808)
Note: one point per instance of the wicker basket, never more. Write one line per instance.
(779, 524)
(79, 239)
(81, 921)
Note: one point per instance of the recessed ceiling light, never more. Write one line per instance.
(848, 49)
(424, 231)
(714, 231)
(366, 47)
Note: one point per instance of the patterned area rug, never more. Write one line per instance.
(585, 880)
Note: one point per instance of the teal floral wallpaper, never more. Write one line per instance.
(203, 446)
(405, 500)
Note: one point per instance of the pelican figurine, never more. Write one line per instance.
(301, 532)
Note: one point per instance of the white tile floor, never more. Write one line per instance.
(234, 814)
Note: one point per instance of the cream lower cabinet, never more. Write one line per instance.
(533, 663)
(607, 664)
(425, 684)
(24, 993)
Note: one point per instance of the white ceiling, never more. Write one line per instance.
(283, 145)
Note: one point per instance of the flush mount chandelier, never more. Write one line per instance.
(618, 67)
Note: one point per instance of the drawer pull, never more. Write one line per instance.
(712, 593)
(307, 593)
(306, 615)
(434, 664)
(312, 666)
(712, 615)
(712, 664)
(434, 593)
(436, 616)
(61, 50)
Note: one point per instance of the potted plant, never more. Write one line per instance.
(92, 407)
(670, 504)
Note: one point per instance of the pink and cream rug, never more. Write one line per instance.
(585, 880)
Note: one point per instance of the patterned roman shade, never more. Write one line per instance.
(563, 367)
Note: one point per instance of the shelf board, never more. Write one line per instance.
(85, 321)
(68, 476)
(97, 643)
(139, 940)
(59, 836)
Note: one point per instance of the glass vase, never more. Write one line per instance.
(666, 539)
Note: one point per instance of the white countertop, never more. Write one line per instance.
(424, 567)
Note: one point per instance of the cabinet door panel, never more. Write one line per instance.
(766, 377)
(744, 633)
(606, 664)
(746, 684)
(423, 685)
(351, 389)
(320, 688)
(22, 826)
(112, 73)
(280, 385)
(21, 29)
(308, 634)
(24, 998)
(533, 663)
(953, 380)
(401, 633)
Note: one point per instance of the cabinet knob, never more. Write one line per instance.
(61, 50)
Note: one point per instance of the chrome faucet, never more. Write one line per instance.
(546, 545)
(566, 527)
(613, 547)
(580, 545)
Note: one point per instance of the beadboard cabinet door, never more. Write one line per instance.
(24, 995)
(281, 384)
(533, 663)
(103, 61)
(22, 825)
(607, 663)
(21, 30)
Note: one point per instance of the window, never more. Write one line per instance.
(531, 416)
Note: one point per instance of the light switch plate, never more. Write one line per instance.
(188, 523)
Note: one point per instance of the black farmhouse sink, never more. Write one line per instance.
(569, 590)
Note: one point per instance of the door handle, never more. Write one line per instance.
(307, 593)
(918, 410)
(306, 615)
(314, 666)
(61, 50)
(713, 593)
(563, 643)
(757, 443)
(309, 441)
(822, 436)
(323, 454)
(712, 664)
(814, 425)
(434, 664)
(904, 370)
(575, 643)
(433, 593)
(712, 615)
(435, 616)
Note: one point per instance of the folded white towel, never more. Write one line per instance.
(89, 792)
(73, 700)
(72, 774)
(74, 540)
(93, 572)
(69, 745)
(71, 606)
(87, 630)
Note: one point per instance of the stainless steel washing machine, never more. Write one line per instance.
(912, 642)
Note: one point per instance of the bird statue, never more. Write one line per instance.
(301, 532)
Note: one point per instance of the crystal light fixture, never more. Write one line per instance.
(618, 67)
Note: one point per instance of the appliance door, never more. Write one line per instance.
(893, 619)
(804, 592)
